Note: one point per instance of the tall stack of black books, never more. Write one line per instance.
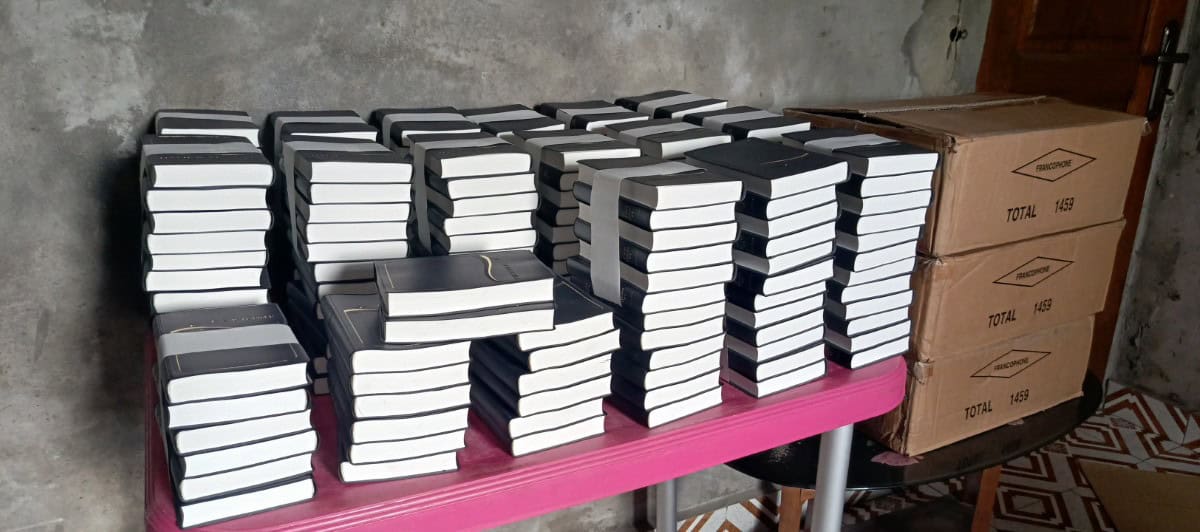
(883, 210)
(538, 390)
(665, 138)
(589, 115)
(205, 222)
(555, 157)
(396, 125)
(656, 240)
(400, 378)
(206, 122)
(503, 121)
(478, 193)
(234, 411)
(345, 202)
(745, 122)
(671, 104)
(784, 257)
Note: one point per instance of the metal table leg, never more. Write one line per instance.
(664, 504)
(832, 465)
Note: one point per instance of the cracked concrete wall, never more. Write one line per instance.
(82, 78)
(1155, 348)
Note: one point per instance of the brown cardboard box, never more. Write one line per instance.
(979, 298)
(1012, 167)
(963, 395)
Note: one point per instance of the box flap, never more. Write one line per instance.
(977, 115)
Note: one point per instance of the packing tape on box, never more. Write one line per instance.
(385, 124)
(184, 342)
(631, 136)
(717, 122)
(606, 238)
(827, 146)
(565, 115)
(420, 194)
(650, 106)
(540, 143)
(519, 114)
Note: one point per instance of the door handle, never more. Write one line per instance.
(1165, 63)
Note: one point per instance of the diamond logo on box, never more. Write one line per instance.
(1055, 165)
(1033, 272)
(1010, 364)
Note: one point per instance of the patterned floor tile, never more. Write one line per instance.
(1149, 413)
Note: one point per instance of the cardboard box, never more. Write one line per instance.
(1012, 168)
(960, 396)
(979, 298)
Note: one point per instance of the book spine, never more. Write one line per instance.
(634, 214)
(741, 331)
(838, 356)
(848, 223)
(749, 280)
(751, 243)
(753, 205)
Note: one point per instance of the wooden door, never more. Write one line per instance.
(1094, 52)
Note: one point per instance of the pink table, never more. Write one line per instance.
(492, 488)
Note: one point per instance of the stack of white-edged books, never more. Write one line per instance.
(555, 157)
(671, 104)
(656, 241)
(397, 124)
(665, 138)
(476, 193)
(589, 115)
(400, 378)
(883, 211)
(345, 203)
(784, 257)
(234, 411)
(504, 120)
(206, 221)
(745, 122)
(543, 389)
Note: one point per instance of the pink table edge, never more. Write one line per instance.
(841, 398)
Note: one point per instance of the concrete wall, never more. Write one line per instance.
(1156, 345)
(81, 79)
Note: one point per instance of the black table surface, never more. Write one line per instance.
(795, 464)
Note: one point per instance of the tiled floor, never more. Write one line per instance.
(1043, 491)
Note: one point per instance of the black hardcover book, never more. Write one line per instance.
(557, 216)
(771, 169)
(188, 363)
(508, 126)
(399, 129)
(555, 178)
(439, 285)
(804, 137)
(591, 121)
(566, 111)
(377, 116)
(152, 144)
(272, 134)
(852, 261)
(632, 297)
(698, 118)
(496, 113)
(195, 121)
(866, 358)
(661, 106)
(566, 157)
(671, 411)
(658, 192)
(771, 128)
(549, 252)
(888, 159)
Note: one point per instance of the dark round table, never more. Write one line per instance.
(795, 465)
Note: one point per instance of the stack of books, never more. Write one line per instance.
(345, 203)
(234, 411)
(665, 138)
(784, 257)
(883, 208)
(503, 121)
(588, 115)
(476, 193)
(205, 222)
(555, 156)
(400, 373)
(396, 125)
(656, 240)
(206, 122)
(671, 104)
(538, 390)
(744, 122)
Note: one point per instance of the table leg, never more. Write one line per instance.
(664, 504)
(832, 464)
(980, 489)
(791, 508)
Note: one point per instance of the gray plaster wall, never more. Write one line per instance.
(1157, 343)
(82, 78)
